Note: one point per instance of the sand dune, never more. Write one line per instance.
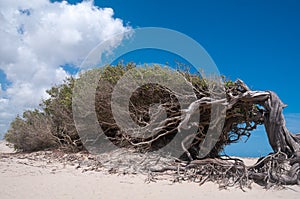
(27, 178)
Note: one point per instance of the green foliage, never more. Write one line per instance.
(59, 108)
(31, 132)
(54, 125)
(61, 94)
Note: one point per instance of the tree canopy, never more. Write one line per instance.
(53, 126)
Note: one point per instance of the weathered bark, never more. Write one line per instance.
(279, 136)
(282, 167)
(153, 130)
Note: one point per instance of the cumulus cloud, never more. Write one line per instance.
(37, 38)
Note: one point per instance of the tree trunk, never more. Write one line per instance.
(279, 137)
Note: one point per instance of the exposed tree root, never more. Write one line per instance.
(157, 115)
(245, 110)
(280, 168)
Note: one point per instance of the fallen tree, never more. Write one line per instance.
(160, 114)
(280, 167)
(244, 111)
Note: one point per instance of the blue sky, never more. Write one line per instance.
(257, 41)
(254, 40)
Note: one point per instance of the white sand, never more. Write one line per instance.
(21, 178)
(4, 148)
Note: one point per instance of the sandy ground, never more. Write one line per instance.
(24, 178)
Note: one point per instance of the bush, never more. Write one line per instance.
(32, 132)
(58, 107)
(55, 127)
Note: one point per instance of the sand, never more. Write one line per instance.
(27, 178)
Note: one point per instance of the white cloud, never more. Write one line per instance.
(37, 37)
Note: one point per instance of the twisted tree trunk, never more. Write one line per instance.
(279, 136)
(285, 162)
(283, 165)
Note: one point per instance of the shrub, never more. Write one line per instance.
(32, 132)
(54, 126)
